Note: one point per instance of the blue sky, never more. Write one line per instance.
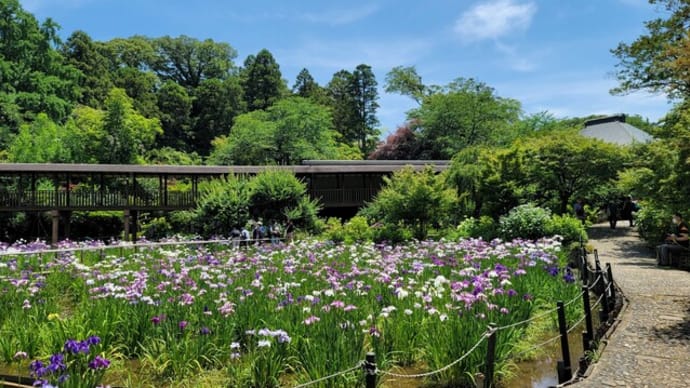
(550, 55)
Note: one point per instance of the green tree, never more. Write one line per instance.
(86, 55)
(487, 180)
(405, 81)
(251, 141)
(305, 85)
(85, 131)
(563, 166)
(128, 134)
(34, 77)
(365, 96)
(188, 61)
(342, 104)
(42, 141)
(175, 107)
(416, 200)
(216, 104)
(262, 81)
(658, 60)
(466, 113)
(291, 130)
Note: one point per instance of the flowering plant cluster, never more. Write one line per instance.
(72, 367)
(185, 308)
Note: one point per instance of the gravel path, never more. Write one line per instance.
(651, 345)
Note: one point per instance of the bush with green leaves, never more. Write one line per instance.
(525, 221)
(224, 204)
(355, 230)
(654, 222)
(484, 227)
(568, 227)
(273, 193)
(416, 200)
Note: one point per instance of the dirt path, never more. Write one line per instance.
(651, 345)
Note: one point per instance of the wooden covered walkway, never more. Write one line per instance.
(64, 188)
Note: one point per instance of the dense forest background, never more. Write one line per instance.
(185, 100)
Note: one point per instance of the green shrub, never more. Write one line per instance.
(357, 230)
(305, 215)
(274, 192)
(417, 200)
(525, 221)
(568, 227)
(484, 227)
(224, 204)
(334, 230)
(653, 222)
(156, 228)
(391, 233)
(183, 222)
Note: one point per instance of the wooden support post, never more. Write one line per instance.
(55, 215)
(126, 223)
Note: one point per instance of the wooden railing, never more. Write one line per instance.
(95, 200)
(344, 197)
(113, 200)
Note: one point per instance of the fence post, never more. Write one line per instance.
(588, 335)
(564, 368)
(370, 370)
(609, 273)
(604, 313)
(490, 359)
(584, 276)
(597, 263)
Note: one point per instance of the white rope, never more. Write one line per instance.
(598, 301)
(595, 282)
(537, 346)
(576, 324)
(420, 375)
(358, 366)
(542, 315)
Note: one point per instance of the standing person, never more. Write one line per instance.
(289, 231)
(674, 242)
(256, 233)
(627, 210)
(235, 236)
(612, 212)
(579, 208)
(244, 237)
(275, 232)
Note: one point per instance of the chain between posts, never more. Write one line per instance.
(427, 374)
(346, 371)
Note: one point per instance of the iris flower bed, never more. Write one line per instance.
(276, 315)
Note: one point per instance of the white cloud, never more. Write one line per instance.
(494, 19)
(340, 16)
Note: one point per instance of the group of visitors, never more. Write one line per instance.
(621, 209)
(616, 209)
(255, 232)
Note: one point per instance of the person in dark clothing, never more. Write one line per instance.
(612, 212)
(579, 208)
(675, 242)
(627, 210)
